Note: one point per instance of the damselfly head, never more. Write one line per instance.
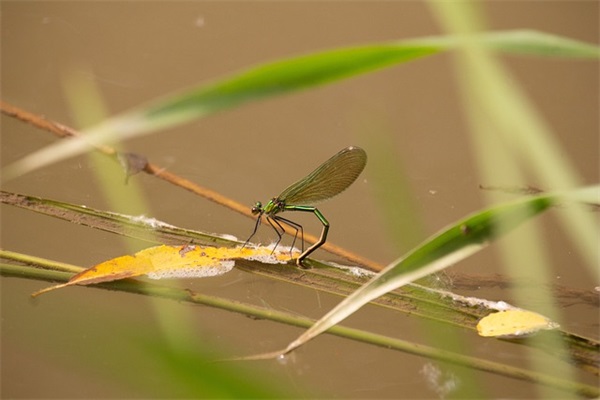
(257, 209)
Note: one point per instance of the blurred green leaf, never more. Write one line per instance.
(286, 76)
(197, 375)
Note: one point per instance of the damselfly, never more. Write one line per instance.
(328, 180)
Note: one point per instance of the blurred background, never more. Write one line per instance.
(81, 342)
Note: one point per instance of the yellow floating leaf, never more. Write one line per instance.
(159, 262)
(513, 323)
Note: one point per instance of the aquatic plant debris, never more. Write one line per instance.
(187, 261)
(514, 323)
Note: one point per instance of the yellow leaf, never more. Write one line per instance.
(159, 262)
(513, 323)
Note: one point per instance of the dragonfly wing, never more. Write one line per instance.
(329, 179)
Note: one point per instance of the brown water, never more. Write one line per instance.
(83, 342)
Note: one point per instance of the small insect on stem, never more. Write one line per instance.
(328, 180)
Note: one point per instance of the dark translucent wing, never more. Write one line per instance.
(328, 180)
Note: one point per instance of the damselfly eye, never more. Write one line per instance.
(257, 208)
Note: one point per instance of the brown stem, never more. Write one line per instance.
(64, 131)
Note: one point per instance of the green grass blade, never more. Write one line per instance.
(147, 229)
(453, 244)
(287, 76)
(36, 269)
(520, 42)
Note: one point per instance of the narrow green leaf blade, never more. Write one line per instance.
(535, 43)
(287, 76)
(453, 244)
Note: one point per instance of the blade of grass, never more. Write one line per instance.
(444, 249)
(187, 296)
(324, 277)
(287, 76)
(413, 299)
(143, 228)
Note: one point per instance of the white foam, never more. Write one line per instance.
(227, 236)
(267, 259)
(270, 258)
(441, 382)
(471, 301)
(151, 222)
(356, 271)
(194, 272)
